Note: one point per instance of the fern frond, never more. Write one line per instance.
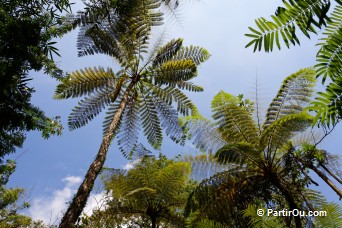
(169, 120)
(197, 54)
(130, 126)
(113, 108)
(302, 14)
(150, 121)
(84, 82)
(175, 71)
(234, 122)
(166, 52)
(139, 151)
(237, 153)
(203, 166)
(292, 97)
(283, 129)
(88, 108)
(204, 134)
(328, 104)
(257, 221)
(184, 104)
(330, 54)
(104, 43)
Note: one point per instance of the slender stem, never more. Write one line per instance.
(79, 201)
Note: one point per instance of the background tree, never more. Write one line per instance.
(26, 32)
(139, 95)
(261, 165)
(152, 194)
(308, 16)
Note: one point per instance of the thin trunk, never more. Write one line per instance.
(326, 179)
(79, 201)
(154, 222)
(288, 196)
(331, 174)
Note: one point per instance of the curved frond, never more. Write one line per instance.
(130, 126)
(292, 97)
(197, 54)
(328, 104)
(84, 82)
(175, 71)
(204, 134)
(234, 121)
(238, 153)
(150, 121)
(303, 14)
(88, 108)
(283, 129)
(169, 120)
(166, 52)
(330, 54)
(184, 104)
(113, 108)
(203, 166)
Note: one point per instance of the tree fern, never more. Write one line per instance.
(259, 165)
(122, 30)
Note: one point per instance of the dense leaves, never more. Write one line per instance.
(26, 32)
(308, 15)
(262, 168)
(150, 194)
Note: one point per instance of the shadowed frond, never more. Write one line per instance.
(303, 14)
(293, 95)
(203, 166)
(204, 134)
(237, 153)
(169, 120)
(139, 151)
(234, 121)
(329, 56)
(150, 121)
(88, 108)
(130, 126)
(113, 108)
(184, 104)
(166, 52)
(84, 82)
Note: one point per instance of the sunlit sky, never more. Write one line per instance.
(51, 169)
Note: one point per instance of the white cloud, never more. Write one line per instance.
(131, 165)
(50, 209)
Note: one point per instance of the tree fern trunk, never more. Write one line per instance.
(79, 201)
(289, 198)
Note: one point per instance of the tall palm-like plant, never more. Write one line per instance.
(139, 95)
(261, 166)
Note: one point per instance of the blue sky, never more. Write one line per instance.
(51, 169)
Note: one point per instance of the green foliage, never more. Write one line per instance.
(308, 15)
(155, 189)
(304, 14)
(158, 76)
(260, 168)
(26, 28)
